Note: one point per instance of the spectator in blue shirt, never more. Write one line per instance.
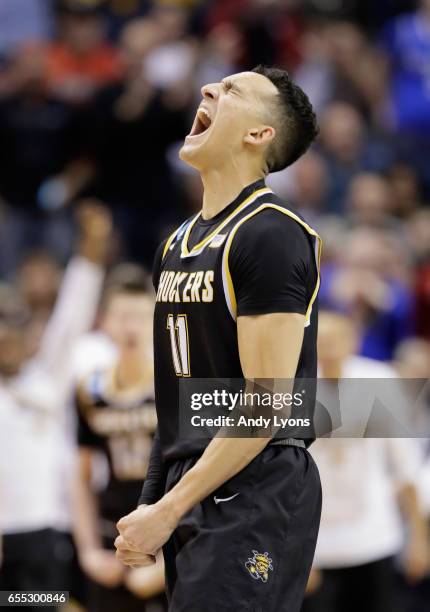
(406, 40)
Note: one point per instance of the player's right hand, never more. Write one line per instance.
(102, 567)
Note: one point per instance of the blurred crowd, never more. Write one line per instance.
(95, 97)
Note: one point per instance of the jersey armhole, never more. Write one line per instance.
(227, 281)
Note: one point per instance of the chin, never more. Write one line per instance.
(199, 156)
(190, 155)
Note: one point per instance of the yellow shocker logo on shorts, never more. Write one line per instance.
(259, 565)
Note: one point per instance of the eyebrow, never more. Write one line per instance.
(229, 84)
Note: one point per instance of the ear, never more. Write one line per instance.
(260, 136)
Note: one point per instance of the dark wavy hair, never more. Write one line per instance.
(295, 120)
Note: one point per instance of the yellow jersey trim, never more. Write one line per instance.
(197, 249)
(227, 280)
(169, 241)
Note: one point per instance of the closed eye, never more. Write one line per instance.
(230, 87)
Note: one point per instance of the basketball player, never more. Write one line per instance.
(236, 297)
(116, 416)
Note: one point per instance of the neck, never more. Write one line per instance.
(222, 185)
(132, 370)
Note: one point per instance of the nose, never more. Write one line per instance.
(210, 91)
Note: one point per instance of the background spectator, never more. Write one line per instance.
(35, 383)
(368, 483)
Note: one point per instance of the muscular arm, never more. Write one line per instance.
(155, 480)
(273, 353)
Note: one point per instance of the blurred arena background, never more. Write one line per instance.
(95, 97)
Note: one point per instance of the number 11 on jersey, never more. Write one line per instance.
(180, 344)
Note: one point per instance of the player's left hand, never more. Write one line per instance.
(146, 529)
(133, 559)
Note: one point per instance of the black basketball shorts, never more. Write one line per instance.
(249, 546)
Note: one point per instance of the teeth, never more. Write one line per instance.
(204, 117)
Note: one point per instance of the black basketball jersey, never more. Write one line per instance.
(255, 257)
(120, 428)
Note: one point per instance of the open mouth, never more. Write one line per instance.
(202, 122)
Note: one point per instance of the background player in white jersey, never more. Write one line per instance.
(117, 419)
(34, 388)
